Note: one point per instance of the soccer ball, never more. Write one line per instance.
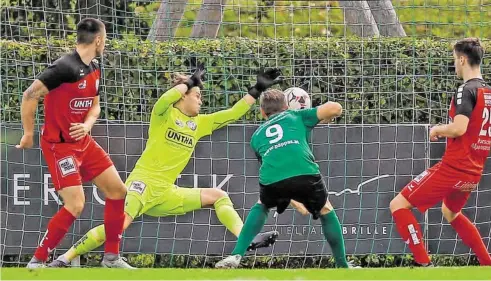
(297, 98)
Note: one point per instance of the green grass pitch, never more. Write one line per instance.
(441, 273)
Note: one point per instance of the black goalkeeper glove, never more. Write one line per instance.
(265, 79)
(196, 79)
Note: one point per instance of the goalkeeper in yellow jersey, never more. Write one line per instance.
(175, 128)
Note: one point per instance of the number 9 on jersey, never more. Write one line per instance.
(274, 131)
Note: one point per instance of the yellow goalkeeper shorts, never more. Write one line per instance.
(145, 197)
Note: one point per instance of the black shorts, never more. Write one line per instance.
(309, 190)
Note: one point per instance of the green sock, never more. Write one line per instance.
(91, 240)
(253, 224)
(334, 236)
(228, 216)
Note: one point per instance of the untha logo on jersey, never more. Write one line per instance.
(67, 166)
(179, 138)
(137, 186)
(81, 103)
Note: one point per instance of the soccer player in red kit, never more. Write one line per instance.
(457, 175)
(70, 88)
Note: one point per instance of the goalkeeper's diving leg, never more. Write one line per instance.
(229, 217)
(184, 200)
(190, 199)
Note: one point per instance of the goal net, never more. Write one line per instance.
(391, 89)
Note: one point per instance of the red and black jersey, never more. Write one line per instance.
(72, 87)
(468, 152)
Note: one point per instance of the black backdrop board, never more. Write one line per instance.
(364, 166)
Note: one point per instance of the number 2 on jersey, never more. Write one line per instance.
(485, 120)
(274, 131)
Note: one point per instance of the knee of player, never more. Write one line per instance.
(327, 208)
(75, 208)
(218, 194)
(117, 193)
(393, 205)
(221, 197)
(398, 203)
(98, 234)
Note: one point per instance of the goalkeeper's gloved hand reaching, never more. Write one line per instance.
(196, 80)
(265, 79)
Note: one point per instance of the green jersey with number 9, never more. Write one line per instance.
(282, 145)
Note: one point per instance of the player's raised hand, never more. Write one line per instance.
(196, 80)
(27, 141)
(265, 79)
(268, 78)
(78, 130)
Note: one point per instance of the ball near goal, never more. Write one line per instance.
(297, 98)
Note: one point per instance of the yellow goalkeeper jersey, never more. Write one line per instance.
(173, 136)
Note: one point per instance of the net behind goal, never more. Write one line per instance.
(391, 90)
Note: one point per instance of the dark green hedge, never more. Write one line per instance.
(376, 80)
(186, 261)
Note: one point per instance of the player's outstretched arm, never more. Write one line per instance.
(30, 100)
(217, 120)
(329, 110)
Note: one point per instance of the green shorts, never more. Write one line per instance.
(159, 200)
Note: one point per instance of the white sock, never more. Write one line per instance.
(63, 259)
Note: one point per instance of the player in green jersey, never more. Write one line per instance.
(288, 172)
(175, 128)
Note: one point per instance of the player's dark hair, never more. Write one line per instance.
(273, 101)
(88, 29)
(472, 49)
